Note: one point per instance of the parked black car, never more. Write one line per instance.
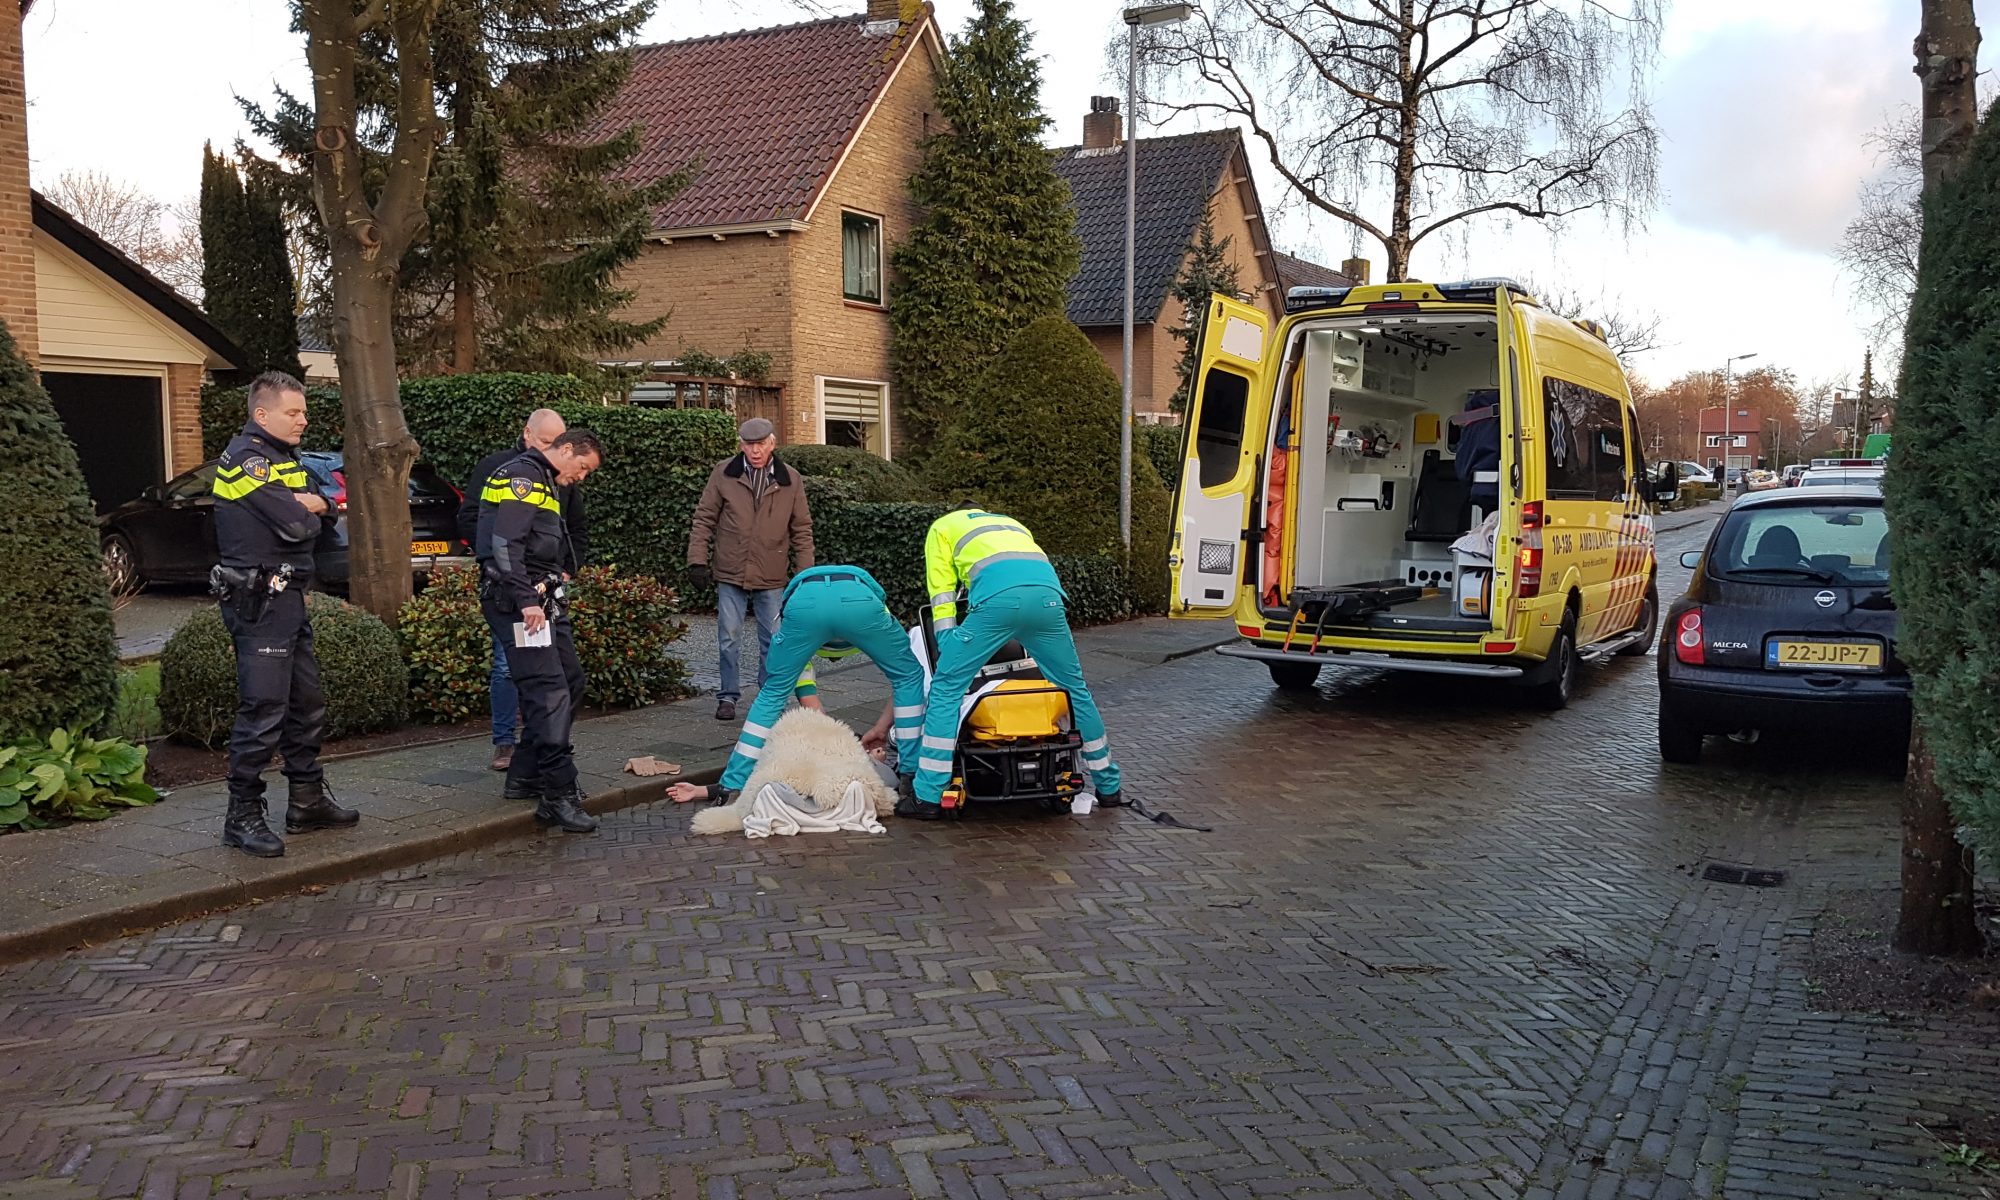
(1788, 624)
(167, 535)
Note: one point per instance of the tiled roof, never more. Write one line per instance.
(766, 113)
(1176, 177)
(1294, 271)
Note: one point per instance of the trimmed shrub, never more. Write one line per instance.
(225, 409)
(623, 625)
(69, 776)
(886, 540)
(1147, 578)
(1095, 585)
(875, 480)
(1945, 572)
(1160, 445)
(460, 419)
(360, 665)
(58, 660)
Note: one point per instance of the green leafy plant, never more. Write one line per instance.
(1161, 445)
(361, 671)
(753, 365)
(623, 625)
(70, 776)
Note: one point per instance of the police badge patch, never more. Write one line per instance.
(257, 468)
(522, 488)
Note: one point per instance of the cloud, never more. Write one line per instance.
(1767, 124)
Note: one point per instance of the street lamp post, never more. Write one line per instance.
(1728, 405)
(1136, 18)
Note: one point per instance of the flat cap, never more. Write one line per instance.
(756, 429)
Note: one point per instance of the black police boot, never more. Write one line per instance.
(244, 828)
(516, 790)
(312, 807)
(911, 807)
(563, 808)
(1112, 799)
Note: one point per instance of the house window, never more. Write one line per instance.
(855, 414)
(860, 258)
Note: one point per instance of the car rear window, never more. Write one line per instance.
(1806, 544)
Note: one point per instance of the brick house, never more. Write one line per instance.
(123, 356)
(804, 137)
(1744, 433)
(1178, 177)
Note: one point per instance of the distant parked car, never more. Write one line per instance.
(167, 535)
(1761, 481)
(1788, 623)
(1694, 472)
(1791, 474)
(1843, 472)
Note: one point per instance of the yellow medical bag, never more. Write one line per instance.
(1019, 708)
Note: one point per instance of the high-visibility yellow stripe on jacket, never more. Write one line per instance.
(960, 546)
(234, 483)
(500, 489)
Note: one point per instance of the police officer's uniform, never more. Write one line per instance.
(523, 551)
(831, 611)
(264, 538)
(1012, 593)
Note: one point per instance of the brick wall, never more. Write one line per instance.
(836, 338)
(184, 410)
(17, 251)
(719, 297)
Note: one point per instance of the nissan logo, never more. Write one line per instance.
(1825, 599)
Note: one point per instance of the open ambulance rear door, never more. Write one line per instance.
(1214, 533)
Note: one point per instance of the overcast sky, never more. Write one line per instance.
(1764, 104)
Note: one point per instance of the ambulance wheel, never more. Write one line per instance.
(1554, 690)
(1294, 676)
(1649, 623)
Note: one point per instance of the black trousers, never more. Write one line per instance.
(279, 705)
(550, 682)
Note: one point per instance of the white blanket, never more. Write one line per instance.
(782, 812)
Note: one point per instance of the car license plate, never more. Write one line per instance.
(1823, 656)
(432, 548)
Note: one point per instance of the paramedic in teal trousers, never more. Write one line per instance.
(832, 611)
(1012, 593)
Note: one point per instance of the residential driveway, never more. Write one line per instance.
(1437, 944)
(144, 622)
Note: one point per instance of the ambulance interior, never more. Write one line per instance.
(1362, 447)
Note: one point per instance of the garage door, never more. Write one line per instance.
(115, 422)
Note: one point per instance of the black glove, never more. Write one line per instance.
(699, 576)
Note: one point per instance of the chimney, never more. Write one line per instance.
(1355, 269)
(885, 10)
(1101, 124)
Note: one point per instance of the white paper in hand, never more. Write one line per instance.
(526, 640)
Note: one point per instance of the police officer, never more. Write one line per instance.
(1013, 593)
(523, 552)
(266, 522)
(830, 611)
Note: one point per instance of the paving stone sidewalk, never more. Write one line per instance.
(156, 864)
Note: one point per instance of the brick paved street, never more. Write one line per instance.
(1437, 945)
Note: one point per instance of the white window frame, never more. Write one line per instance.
(881, 261)
(819, 406)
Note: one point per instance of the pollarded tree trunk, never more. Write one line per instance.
(1937, 916)
(379, 448)
(464, 326)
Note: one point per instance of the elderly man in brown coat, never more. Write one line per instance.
(754, 508)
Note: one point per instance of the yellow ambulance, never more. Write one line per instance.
(1443, 477)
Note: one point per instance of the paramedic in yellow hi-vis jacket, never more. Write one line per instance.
(1011, 592)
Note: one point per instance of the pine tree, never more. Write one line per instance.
(1940, 489)
(1208, 271)
(996, 246)
(246, 270)
(58, 662)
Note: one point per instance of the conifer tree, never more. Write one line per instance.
(996, 245)
(58, 661)
(1208, 270)
(246, 270)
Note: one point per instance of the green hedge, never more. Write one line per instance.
(886, 540)
(872, 479)
(1161, 445)
(623, 625)
(360, 665)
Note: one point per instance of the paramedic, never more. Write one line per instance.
(1479, 447)
(1012, 593)
(830, 611)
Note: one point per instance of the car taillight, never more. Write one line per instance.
(1689, 645)
(455, 492)
(1528, 559)
(340, 491)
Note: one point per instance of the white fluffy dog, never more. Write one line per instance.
(816, 756)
